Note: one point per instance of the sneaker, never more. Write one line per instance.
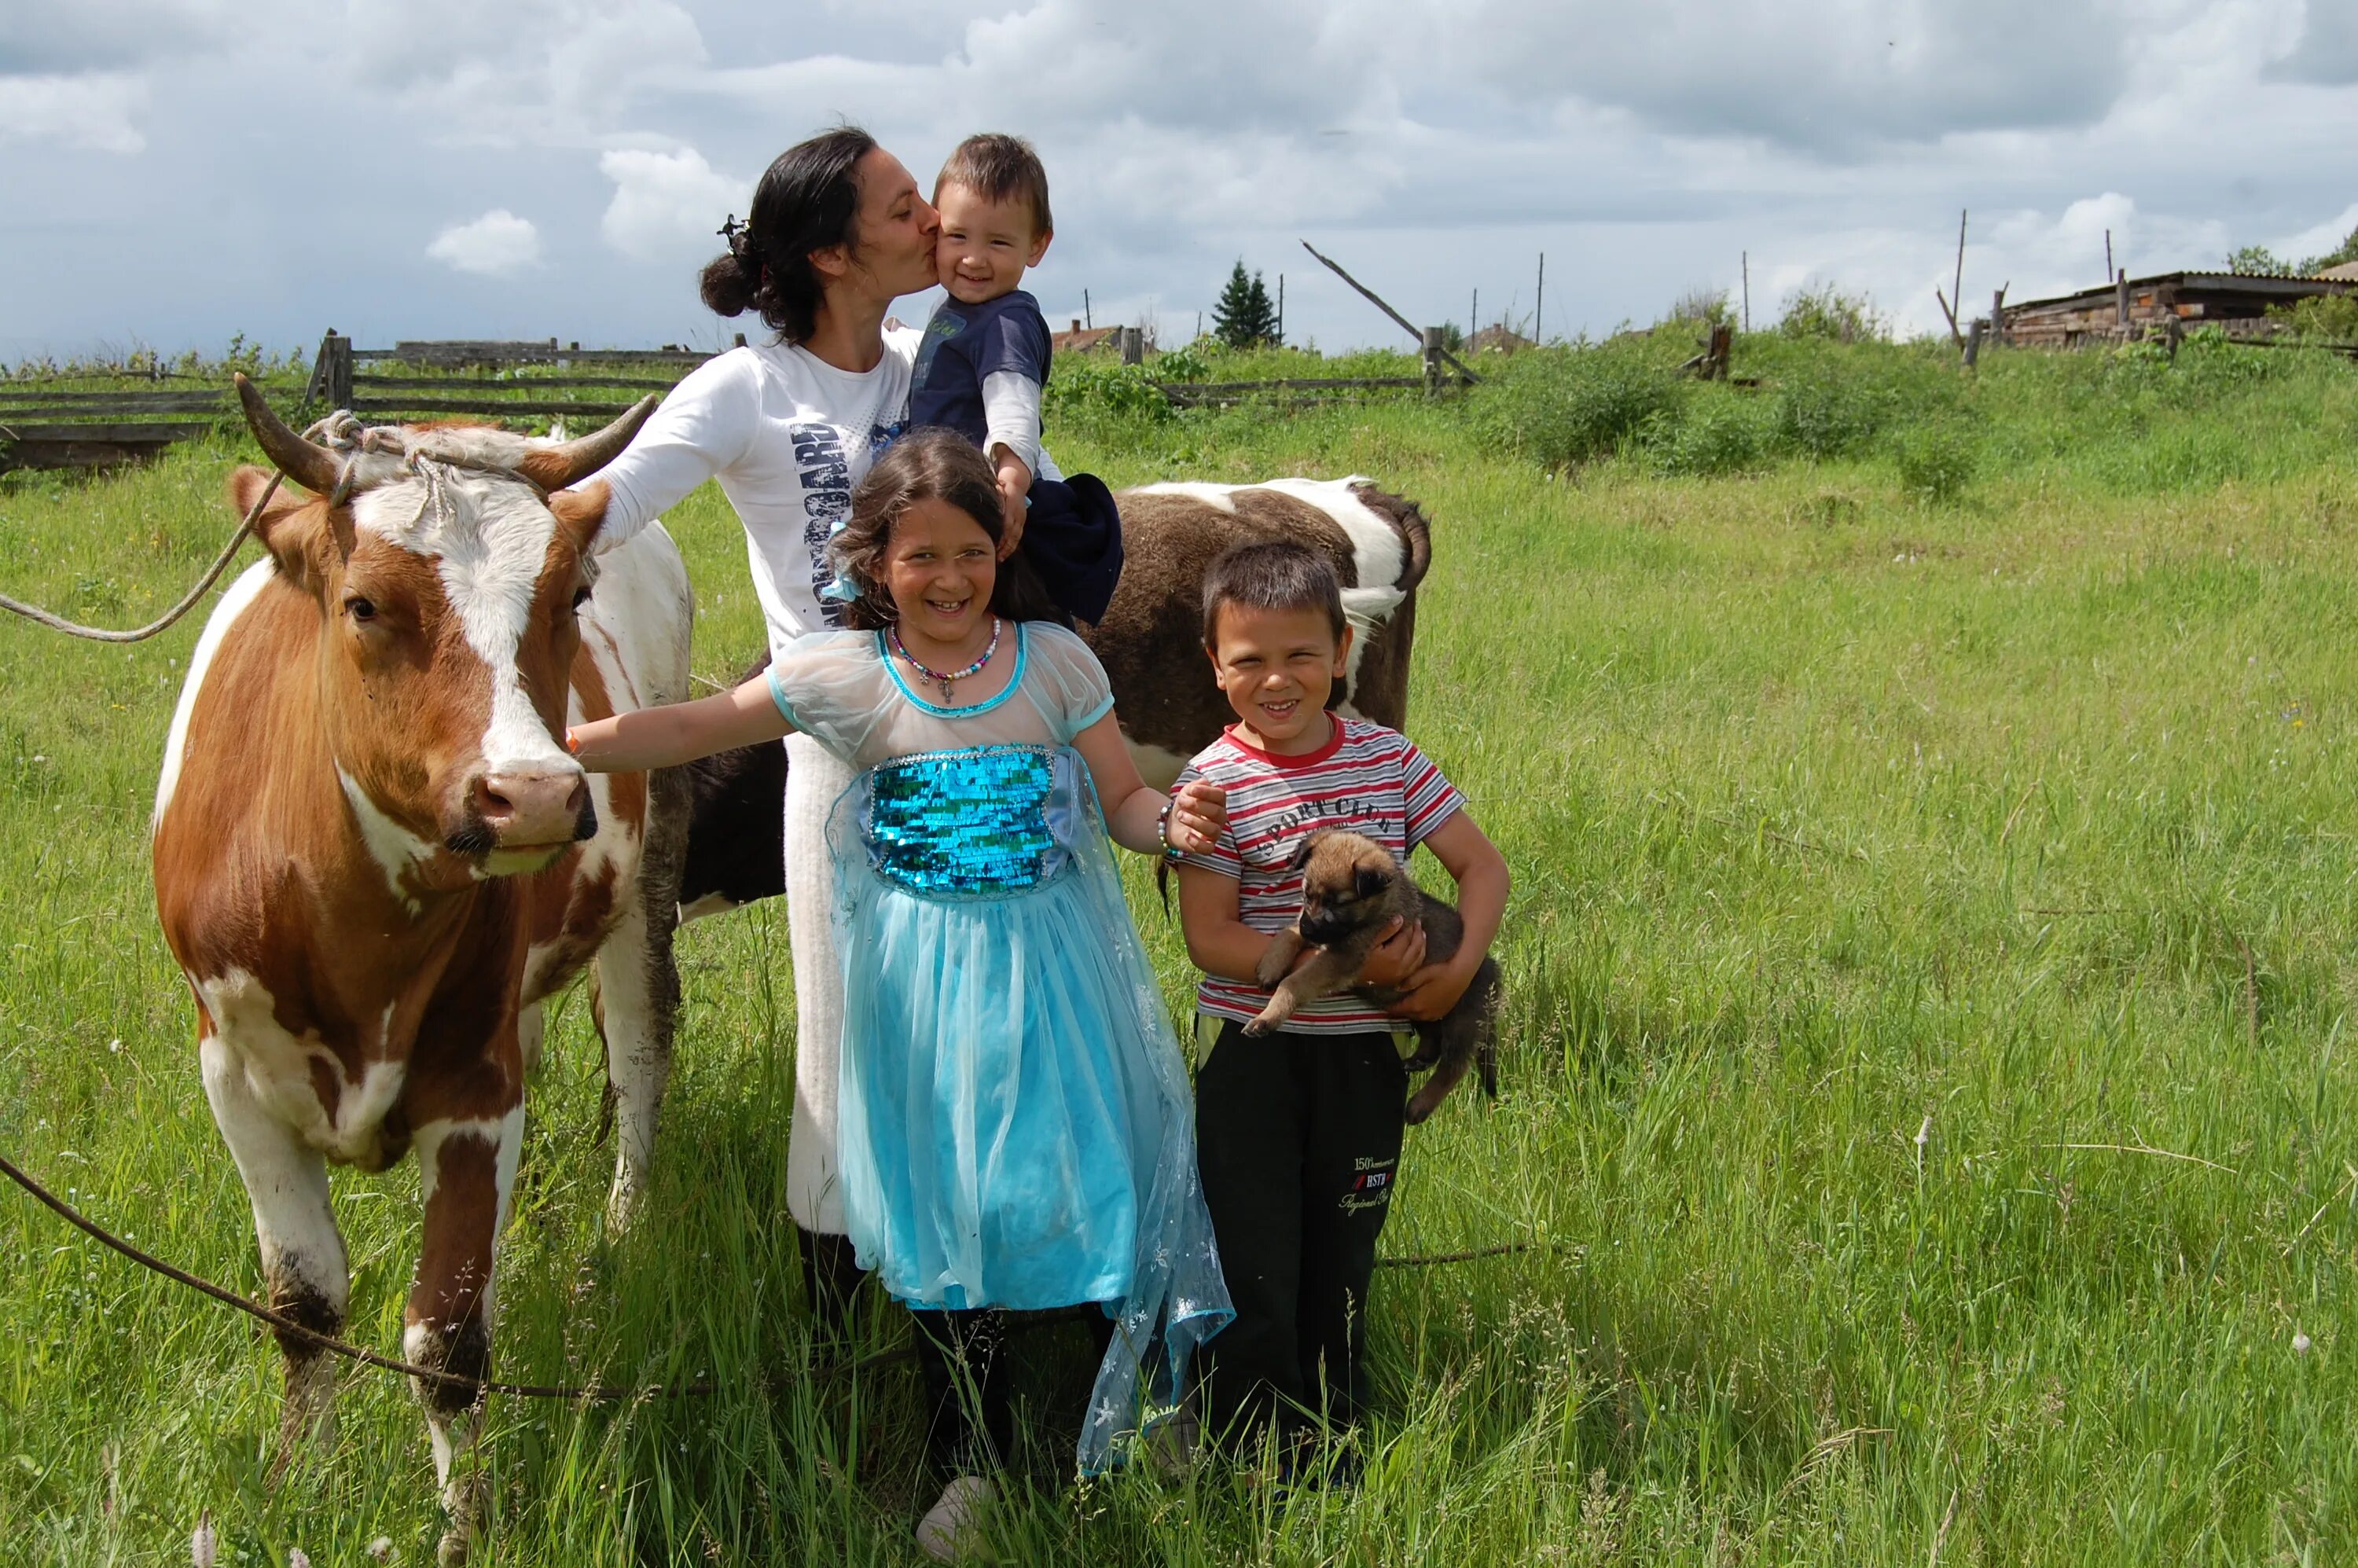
(943, 1534)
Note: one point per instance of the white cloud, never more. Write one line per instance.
(2319, 240)
(1435, 147)
(92, 111)
(494, 245)
(667, 205)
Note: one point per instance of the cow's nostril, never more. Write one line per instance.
(490, 803)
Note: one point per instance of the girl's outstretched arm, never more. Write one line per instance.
(679, 732)
(1133, 812)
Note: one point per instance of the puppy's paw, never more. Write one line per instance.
(1260, 1027)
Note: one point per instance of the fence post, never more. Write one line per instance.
(1432, 336)
(1997, 318)
(2121, 298)
(336, 352)
(1133, 345)
(1973, 342)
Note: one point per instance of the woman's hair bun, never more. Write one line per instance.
(808, 199)
(732, 282)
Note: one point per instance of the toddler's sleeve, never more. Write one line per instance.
(1074, 692)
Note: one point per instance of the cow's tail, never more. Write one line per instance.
(1415, 532)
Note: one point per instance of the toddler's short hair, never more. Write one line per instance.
(1000, 169)
(1271, 576)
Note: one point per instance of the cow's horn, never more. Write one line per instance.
(313, 467)
(570, 463)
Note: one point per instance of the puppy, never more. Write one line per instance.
(1351, 889)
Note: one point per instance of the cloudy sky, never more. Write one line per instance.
(174, 171)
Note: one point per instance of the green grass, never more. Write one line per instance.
(1926, 1045)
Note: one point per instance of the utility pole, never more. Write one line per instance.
(1748, 291)
(1281, 307)
(1539, 305)
(1473, 317)
(1086, 320)
(2108, 255)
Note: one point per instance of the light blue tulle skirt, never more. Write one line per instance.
(1015, 1121)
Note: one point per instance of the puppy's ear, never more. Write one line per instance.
(1371, 880)
(1302, 856)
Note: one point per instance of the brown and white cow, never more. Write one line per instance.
(374, 858)
(1152, 645)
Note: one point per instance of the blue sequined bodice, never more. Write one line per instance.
(976, 822)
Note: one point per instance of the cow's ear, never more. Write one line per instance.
(292, 525)
(580, 512)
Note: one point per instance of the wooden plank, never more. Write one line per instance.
(485, 405)
(85, 404)
(527, 353)
(533, 383)
(134, 434)
(1228, 388)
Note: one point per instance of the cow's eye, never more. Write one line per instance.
(360, 610)
(580, 598)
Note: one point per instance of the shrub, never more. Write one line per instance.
(1705, 307)
(1561, 407)
(2333, 317)
(1181, 364)
(1722, 432)
(1824, 415)
(1936, 459)
(1826, 311)
(1089, 390)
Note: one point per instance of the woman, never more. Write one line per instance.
(838, 230)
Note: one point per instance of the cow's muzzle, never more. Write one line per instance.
(526, 811)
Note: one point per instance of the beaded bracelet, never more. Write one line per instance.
(1162, 830)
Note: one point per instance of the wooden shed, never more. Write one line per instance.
(2130, 306)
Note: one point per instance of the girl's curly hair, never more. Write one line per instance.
(926, 465)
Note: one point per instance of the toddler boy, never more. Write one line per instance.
(983, 368)
(1298, 1133)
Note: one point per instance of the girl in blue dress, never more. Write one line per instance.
(1016, 1124)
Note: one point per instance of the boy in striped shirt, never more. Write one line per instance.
(1298, 1133)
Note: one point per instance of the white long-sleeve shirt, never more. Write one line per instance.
(788, 434)
(1011, 406)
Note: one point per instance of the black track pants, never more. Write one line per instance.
(1298, 1137)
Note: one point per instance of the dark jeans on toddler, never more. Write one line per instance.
(1298, 1137)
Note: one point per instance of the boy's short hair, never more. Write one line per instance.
(1000, 169)
(1272, 576)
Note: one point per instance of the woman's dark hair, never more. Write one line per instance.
(1277, 575)
(808, 199)
(926, 465)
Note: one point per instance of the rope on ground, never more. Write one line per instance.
(140, 634)
(589, 1393)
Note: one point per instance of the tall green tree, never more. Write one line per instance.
(1243, 316)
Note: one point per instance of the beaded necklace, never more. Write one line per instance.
(944, 678)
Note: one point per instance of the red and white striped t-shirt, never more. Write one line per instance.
(1366, 778)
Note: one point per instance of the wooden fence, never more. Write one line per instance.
(506, 380)
(40, 428)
